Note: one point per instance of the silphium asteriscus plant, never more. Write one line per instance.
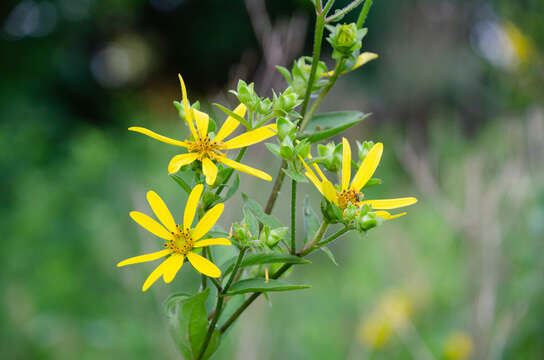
(180, 241)
(200, 147)
(345, 193)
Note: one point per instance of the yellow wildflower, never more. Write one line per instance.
(179, 241)
(345, 193)
(458, 346)
(207, 150)
(361, 60)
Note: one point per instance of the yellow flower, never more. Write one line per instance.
(458, 346)
(207, 150)
(179, 241)
(361, 60)
(346, 193)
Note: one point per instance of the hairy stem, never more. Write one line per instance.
(322, 95)
(318, 38)
(275, 189)
(219, 304)
(293, 215)
(343, 12)
(364, 13)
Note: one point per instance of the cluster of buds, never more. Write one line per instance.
(271, 237)
(240, 235)
(299, 76)
(285, 103)
(330, 156)
(346, 40)
(247, 95)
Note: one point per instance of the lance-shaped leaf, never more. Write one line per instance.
(324, 126)
(261, 258)
(259, 213)
(188, 324)
(260, 285)
(179, 180)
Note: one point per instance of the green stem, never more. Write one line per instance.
(318, 38)
(343, 12)
(219, 304)
(318, 236)
(293, 215)
(230, 171)
(364, 13)
(322, 95)
(275, 189)
(326, 241)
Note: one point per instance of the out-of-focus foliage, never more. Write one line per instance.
(461, 79)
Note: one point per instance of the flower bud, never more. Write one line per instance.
(247, 95)
(367, 221)
(272, 237)
(303, 149)
(345, 39)
(240, 234)
(287, 150)
(330, 156)
(363, 149)
(350, 212)
(331, 212)
(285, 128)
(286, 102)
(264, 106)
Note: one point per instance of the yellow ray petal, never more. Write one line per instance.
(247, 169)
(346, 164)
(251, 137)
(207, 221)
(155, 274)
(180, 160)
(214, 241)
(150, 225)
(190, 207)
(202, 120)
(387, 216)
(172, 266)
(318, 185)
(210, 170)
(369, 165)
(361, 60)
(161, 210)
(203, 265)
(188, 114)
(145, 258)
(156, 136)
(329, 192)
(390, 203)
(231, 123)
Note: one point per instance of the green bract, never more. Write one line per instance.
(345, 40)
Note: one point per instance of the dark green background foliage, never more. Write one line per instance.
(449, 83)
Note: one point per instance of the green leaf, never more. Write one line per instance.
(324, 126)
(263, 258)
(251, 221)
(260, 285)
(259, 213)
(233, 188)
(311, 221)
(329, 254)
(179, 180)
(274, 149)
(298, 177)
(188, 324)
(372, 182)
(233, 114)
(286, 74)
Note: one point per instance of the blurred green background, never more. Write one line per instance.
(457, 97)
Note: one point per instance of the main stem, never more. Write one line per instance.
(293, 215)
(219, 305)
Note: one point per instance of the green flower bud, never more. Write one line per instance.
(363, 149)
(264, 106)
(332, 213)
(240, 234)
(303, 149)
(345, 39)
(330, 156)
(367, 221)
(285, 128)
(287, 150)
(247, 95)
(351, 212)
(286, 102)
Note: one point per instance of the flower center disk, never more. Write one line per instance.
(204, 147)
(347, 196)
(182, 242)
